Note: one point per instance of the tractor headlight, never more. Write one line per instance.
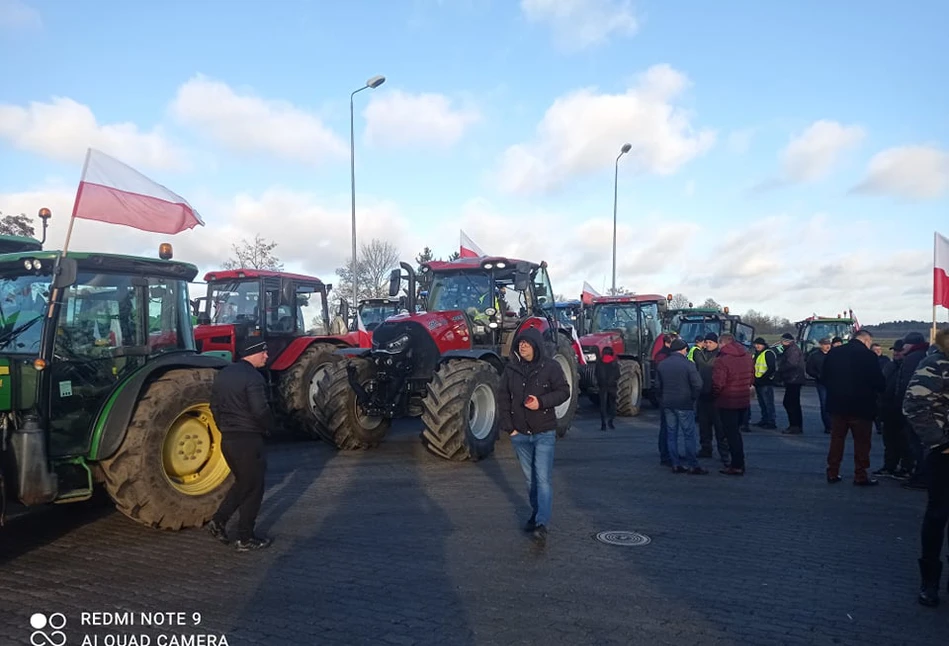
(28, 264)
(590, 356)
(491, 311)
(398, 345)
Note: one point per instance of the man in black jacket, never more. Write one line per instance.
(854, 382)
(813, 366)
(607, 382)
(791, 374)
(240, 409)
(709, 420)
(532, 386)
(898, 462)
(680, 385)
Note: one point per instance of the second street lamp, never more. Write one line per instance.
(371, 84)
(625, 149)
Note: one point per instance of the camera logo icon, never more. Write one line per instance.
(48, 629)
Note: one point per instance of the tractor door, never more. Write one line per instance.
(280, 326)
(744, 334)
(100, 339)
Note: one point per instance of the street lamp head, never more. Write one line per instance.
(375, 82)
(625, 149)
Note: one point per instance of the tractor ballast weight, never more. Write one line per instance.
(101, 384)
(445, 364)
(291, 313)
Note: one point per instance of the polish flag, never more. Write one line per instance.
(110, 191)
(359, 324)
(588, 293)
(468, 248)
(941, 271)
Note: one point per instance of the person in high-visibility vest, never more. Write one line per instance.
(765, 370)
(699, 345)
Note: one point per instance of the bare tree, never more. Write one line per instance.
(16, 225)
(680, 301)
(619, 291)
(254, 254)
(711, 303)
(371, 271)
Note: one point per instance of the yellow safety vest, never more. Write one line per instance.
(692, 353)
(761, 364)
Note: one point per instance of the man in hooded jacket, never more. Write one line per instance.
(532, 386)
(733, 378)
(607, 384)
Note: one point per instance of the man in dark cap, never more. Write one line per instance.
(765, 370)
(791, 373)
(814, 366)
(240, 409)
(898, 463)
(709, 420)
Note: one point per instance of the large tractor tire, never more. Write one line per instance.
(345, 425)
(460, 412)
(629, 390)
(169, 472)
(298, 387)
(566, 358)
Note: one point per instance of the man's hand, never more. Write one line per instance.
(513, 433)
(532, 403)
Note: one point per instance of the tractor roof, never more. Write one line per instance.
(245, 274)
(565, 304)
(475, 264)
(825, 319)
(629, 298)
(696, 310)
(16, 244)
(107, 262)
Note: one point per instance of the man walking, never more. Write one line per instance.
(813, 367)
(240, 409)
(532, 386)
(791, 374)
(709, 420)
(607, 382)
(733, 376)
(765, 370)
(854, 382)
(681, 384)
(926, 406)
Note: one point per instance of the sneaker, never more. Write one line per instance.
(679, 469)
(540, 533)
(792, 430)
(884, 473)
(697, 471)
(901, 474)
(218, 531)
(253, 543)
(869, 482)
(610, 424)
(530, 525)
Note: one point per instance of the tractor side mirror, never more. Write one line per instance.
(395, 282)
(66, 273)
(522, 277)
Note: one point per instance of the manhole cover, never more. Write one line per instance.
(625, 539)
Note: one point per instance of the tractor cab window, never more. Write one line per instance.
(690, 330)
(651, 324)
(169, 325)
(312, 317)
(543, 292)
(235, 302)
(468, 291)
(22, 305)
(101, 311)
(615, 316)
(373, 314)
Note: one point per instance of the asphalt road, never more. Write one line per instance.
(393, 546)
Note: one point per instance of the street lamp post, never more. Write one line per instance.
(625, 149)
(371, 84)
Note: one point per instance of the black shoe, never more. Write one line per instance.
(253, 543)
(610, 424)
(530, 525)
(679, 469)
(930, 573)
(792, 430)
(602, 426)
(698, 471)
(869, 482)
(540, 533)
(218, 531)
(833, 479)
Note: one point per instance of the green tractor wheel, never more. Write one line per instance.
(169, 471)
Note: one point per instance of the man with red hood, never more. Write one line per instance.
(607, 383)
(733, 378)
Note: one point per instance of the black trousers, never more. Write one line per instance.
(792, 405)
(607, 406)
(710, 422)
(731, 421)
(937, 506)
(244, 453)
(895, 441)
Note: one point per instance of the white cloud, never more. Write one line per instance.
(583, 131)
(245, 123)
(15, 14)
(579, 24)
(63, 129)
(812, 154)
(913, 172)
(398, 118)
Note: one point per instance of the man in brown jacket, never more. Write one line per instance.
(733, 379)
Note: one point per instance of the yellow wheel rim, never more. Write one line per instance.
(191, 453)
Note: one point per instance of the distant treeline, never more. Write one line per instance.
(899, 329)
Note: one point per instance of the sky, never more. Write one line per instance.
(792, 158)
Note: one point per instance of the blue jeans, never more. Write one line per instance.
(766, 404)
(536, 455)
(663, 437)
(684, 421)
(822, 396)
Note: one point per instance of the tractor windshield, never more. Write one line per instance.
(234, 302)
(615, 316)
(474, 293)
(372, 314)
(22, 304)
(689, 330)
(817, 331)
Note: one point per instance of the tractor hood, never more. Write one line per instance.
(449, 331)
(593, 344)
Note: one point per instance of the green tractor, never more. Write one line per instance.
(100, 384)
(693, 322)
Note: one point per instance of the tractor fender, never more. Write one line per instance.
(475, 355)
(353, 352)
(298, 346)
(116, 413)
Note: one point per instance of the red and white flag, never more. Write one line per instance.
(110, 191)
(941, 271)
(468, 248)
(588, 293)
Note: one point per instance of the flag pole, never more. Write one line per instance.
(932, 337)
(75, 206)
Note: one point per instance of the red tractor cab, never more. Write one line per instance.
(291, 313)
(444, 364)
(632, 326)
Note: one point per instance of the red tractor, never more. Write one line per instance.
(631, 325)
(289, 311)
(444, 364)
(373, 311)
